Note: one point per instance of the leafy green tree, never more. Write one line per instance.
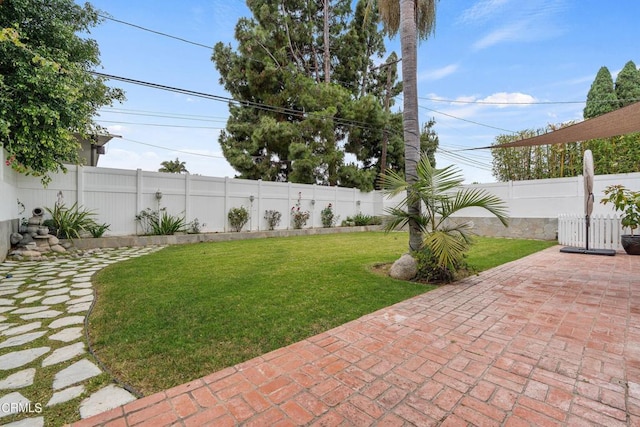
(440, 191)
(47, 91)
(628, 84)
(288, 123)
(413, 19)
(602, 97)
(429, 141)
(173, 166)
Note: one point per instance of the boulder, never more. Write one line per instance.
(405, 268)
(15, 238)
(58, 248)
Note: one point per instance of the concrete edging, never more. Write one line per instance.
(179, 239)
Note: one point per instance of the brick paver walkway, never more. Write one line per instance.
(552, 339)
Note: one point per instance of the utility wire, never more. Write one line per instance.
(159, 125)
(172, 149)
(160, 33)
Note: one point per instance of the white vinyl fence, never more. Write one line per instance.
(117, 196)
(604, 231)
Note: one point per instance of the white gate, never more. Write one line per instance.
(604, 231)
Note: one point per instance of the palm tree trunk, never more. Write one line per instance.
(408, 46)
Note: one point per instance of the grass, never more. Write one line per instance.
(189, 310)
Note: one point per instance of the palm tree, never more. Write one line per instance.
(413, 19)
(441, 193)
(173, 166)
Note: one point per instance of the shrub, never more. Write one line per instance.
(431, 271)
(238, 217)
(298, 216)
(273, 218)
(152, 222)
(70, 222)
(97, 230)
(194, 227)
(327, 216)
(361, 220)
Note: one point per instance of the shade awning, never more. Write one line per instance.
(622, 121)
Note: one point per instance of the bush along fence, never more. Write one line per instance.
(604, 231)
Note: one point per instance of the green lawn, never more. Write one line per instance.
(189, 310)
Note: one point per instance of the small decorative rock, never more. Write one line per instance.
(404, 268)
(53, 240)
(58, 248)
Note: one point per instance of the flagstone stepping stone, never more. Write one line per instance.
(79, 308)
(6, 301)
(67, 335)
(58, 286)
(11, 403)
(32, 299)
(7, 326)
(58, 291)
(67, 273)
(22, 329)
(66, 321)
(21, 357)
(21, 339)
(63, 354)
(105, 399)
(65, 395)
(20, 379)
(5, 309)
(86, 298)
(82, 285)
(2, 318)
(56, 281)
(9, 292)
(81, 292)
(28, 310)
(56, 300)
(26, 294)
(42, 315)
(75, 373)
(27, 422)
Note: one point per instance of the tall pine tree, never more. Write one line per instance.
(602, 97)
(288, 123)
(628, 84)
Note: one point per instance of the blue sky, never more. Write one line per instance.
(492, 66)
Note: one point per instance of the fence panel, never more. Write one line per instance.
(604, 231)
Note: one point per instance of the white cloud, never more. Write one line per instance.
(511, 33)
(506, 99)
(482, 11)
(515, 21)
(439, 73)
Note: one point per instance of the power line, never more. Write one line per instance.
(155, 32)
(244, 103)
(172, 149)
(159, 125)
(177, 116)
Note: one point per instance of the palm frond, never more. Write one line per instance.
(474, 197)
(447, 248)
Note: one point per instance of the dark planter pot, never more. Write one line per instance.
(630, 244)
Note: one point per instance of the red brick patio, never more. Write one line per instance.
(552, 339)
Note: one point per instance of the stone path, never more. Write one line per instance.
(43, 306)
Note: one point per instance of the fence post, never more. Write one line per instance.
(79, 186)
(226, 204)
(138, 195)
(187, 197)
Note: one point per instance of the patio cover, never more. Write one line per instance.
(622, 121)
